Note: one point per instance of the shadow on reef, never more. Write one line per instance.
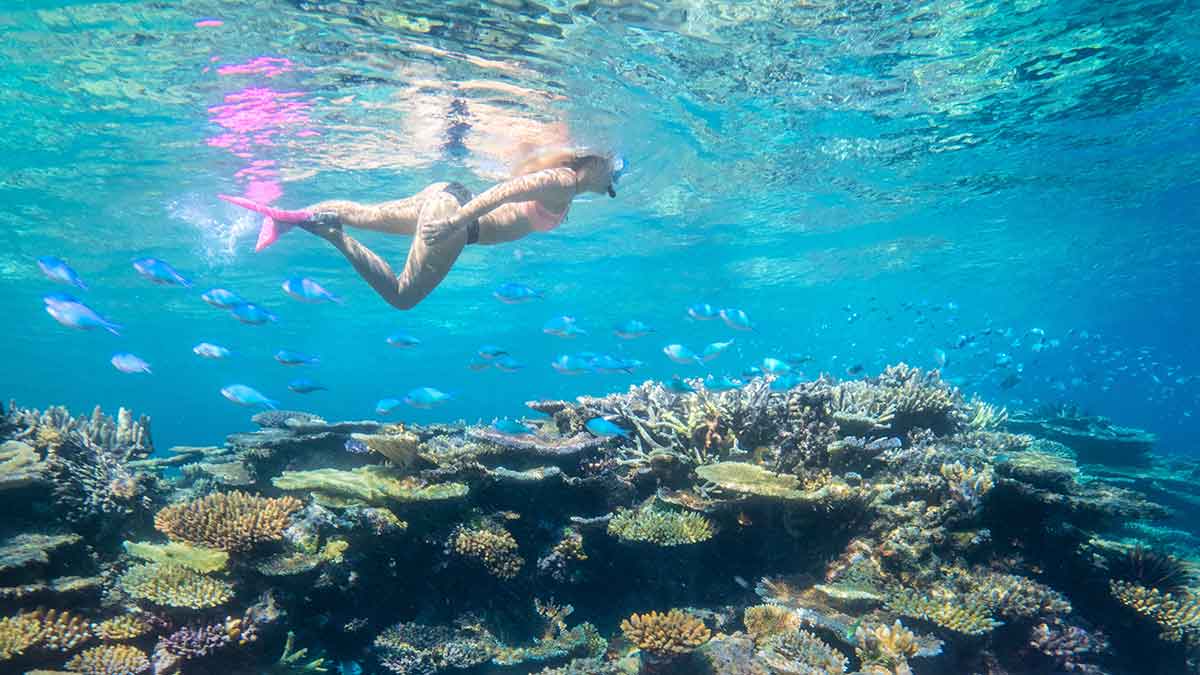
(885, 525)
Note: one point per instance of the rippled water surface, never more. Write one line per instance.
(869, 181)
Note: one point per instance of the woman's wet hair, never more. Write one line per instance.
(569, 158)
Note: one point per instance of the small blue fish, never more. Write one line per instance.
(290, 358)
(680, 386)
(511, 427)
(714, 350)
(426, 397)
(855, 370)
(939, 357)
(610, 365)
(776, 367)
(752, 372)
(736, 319)
(723, 383)
(221, 297)
(567, 364)
(605, 429)
(57, 269)
(386, 405)
(563, 326)
(307, 290)
(478, 363)
(506, 364)
(515, 294)
(680, 354)
(356, 447)
(247, 396)
(632, 329)
(702, 311)
(784, 382)
(160, 272)
(248, 312)
(349, 668)
(128, 363)
(74, 314)
(305, 386)
(490, 352)
(403, 340)
(210, 351)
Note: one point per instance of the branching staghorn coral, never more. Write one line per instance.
(173, 585)
(886, 648)
(47, 630)
(661, 527)
(945, 609)
(557, 563)
(292, 661)
(110, 660)
(982, 416)
(408, 648)
(230, 521)
(914, 398)
(1177, 614)
(665, 635)
(491, 546)
(967, 485)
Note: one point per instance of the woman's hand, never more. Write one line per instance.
(435, 232)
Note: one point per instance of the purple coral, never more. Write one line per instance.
(1067, 645)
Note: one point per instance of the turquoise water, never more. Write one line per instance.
(868, 181)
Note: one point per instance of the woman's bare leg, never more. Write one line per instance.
(398, 216)
(426, 266)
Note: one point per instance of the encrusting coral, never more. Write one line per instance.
(228, 521)
(110, 660)
(173, 585)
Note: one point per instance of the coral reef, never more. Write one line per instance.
(1093, 438)
(227, 521)
(871, 526)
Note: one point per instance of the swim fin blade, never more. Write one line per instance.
(270, 232)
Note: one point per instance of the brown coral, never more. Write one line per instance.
(49, 630)
(173, 585)
(1177, 614)
(493, 547)
(110, 660)
(673, 633)
(18, 633)
(763, 621)
(231, 521)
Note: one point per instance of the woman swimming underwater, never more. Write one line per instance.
(443, 218)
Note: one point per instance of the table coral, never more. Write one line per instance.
(173, 585)
(229, 521)
(110, 660)
(369, 485)
(198, 558)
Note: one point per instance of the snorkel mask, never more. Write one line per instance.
(619, 167)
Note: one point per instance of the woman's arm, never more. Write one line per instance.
(554, 188)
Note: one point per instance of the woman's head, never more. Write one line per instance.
(595, 170)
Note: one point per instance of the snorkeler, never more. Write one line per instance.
(444, 218)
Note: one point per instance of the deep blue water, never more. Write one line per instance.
(867, 181)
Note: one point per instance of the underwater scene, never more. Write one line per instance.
(600, 337)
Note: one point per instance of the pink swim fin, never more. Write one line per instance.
(275, 223)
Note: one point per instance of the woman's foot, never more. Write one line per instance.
(324, 224)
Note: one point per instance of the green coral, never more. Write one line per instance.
(953, 613)
(373, 485)
(661, 527)
(292, 662)
(173, 585)
(197, 558)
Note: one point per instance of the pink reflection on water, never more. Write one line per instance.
(209, 23)
(258, 117)
(267, 66)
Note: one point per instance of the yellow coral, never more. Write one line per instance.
(118, 628)
(174, 585)
(675, 632)
(62, 631)
(494, 547)
(1176, 614)
(766, 620)
(110, 660)
(571, 546)
(197, 558)
(660, 527)
(18, 633)
(232, 521)
(952, 612)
